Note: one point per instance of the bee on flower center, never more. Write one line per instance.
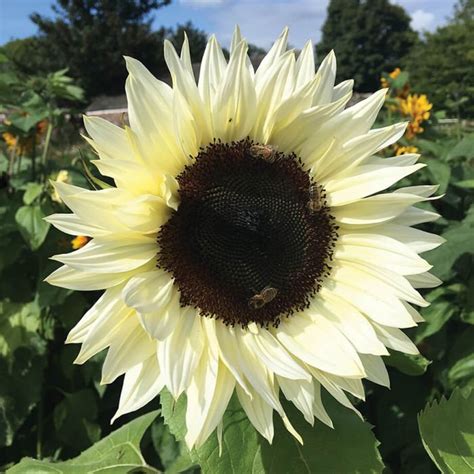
(259, 300)
(265, 152)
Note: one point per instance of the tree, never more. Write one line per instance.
(91, 36)
(368, 36)
(441, 65)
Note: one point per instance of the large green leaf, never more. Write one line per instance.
(447, 431)
(117, 453)
(436, 317)
(19, 324)
(32, 191)
(31, 223)
(74, 419)
(464, 148)
(407, 363)
(21, 376)
(458, 242)
(350, 447)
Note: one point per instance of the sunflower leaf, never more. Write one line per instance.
(32, 226)
(408, 364)
(350, 447)
(118, 452)
(447, 432)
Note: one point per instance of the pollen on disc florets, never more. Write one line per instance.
(252, 237)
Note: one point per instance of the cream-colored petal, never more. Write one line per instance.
(161, 323)
(184, 82)
(207, 397)
(150, 114)
(149, 292)
(305, 65)
(109, 140)
(382, 251)
(141, 384)
(259, 413)
(96, 207)
(144, 214)
(180, 352)
(108, 309)
(125, 351)
(67, 277)
(318, 408)
(327, 76)
(320, 344)
(396, 339)
(109, 327)
(131, 176)
(334, 390)
(342, 89)
(375, 209)
(349, 321)
(110, 255)
(384, 308)
(277, 50)
(213, 66)
(301, 394)
(234, 108)
(418, 240)
(224, 338)
(271, 353)
(424, 280)
(415, 216)
(352, 386)
(364, 182)
(73, 225)
(375, 369)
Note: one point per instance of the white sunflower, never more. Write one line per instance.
(244, 247)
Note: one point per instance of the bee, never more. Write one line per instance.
(266, 152)
(261, 299)
(314, 203)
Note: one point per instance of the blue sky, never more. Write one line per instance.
(260, 20)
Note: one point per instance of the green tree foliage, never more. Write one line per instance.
(442, 64)
(91, 36)
(369, 37)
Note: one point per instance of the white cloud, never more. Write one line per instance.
(262, 21)
(422, 20)
(201, 3)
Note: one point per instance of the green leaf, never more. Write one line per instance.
(464, 149)
(350, 447)
(435, 316)
(447, 431)
(118, 452)
(467, 184)
(31, 223)
(165, 443)
(74, 419)
(440, 172)
(21, 375)
(32, 191)
(19, 324)
(26, 121)
(462, 370)
(458, 242)
(407, 363)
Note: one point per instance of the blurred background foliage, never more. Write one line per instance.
(53, 410)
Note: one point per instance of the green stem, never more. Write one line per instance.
(33, 159)
(39, 432)
(47, 141)
(11, 168)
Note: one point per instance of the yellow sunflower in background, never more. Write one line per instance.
(247, 245)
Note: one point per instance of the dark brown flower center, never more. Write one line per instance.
(252, 237)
